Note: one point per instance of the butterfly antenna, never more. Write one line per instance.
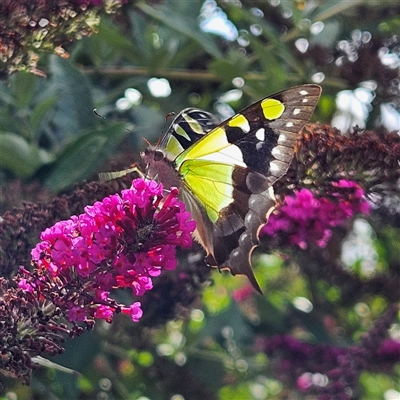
(97, 114)
(146, 141)
(167, 117)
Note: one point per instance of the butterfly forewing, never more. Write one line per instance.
(250, 138)
(187, 128)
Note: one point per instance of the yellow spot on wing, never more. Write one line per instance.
(240, 121)
(272, 108)
(211, 183)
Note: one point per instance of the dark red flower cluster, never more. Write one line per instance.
(28, 27)
(329, 371)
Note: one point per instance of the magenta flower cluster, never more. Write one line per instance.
(306, 219)
(121, 242)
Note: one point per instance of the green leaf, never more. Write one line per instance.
(230, 67)
(81, 158)
(231, 317)
(185, 53)
(7, 120)
(19, 156)
(332, 9)
(271, 318)
(275, 75)
(185, 26)
(75, 103)
(6, 98)
(23, 87)
(273, 40)
(112, 36)
(41, 109)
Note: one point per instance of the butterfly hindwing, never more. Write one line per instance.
(231, 211)
(226, 175)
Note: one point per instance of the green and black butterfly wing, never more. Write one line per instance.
(230, 171)
(188, 127)
(226, 176)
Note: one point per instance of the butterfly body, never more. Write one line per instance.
(225, 173)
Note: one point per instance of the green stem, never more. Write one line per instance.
(192, 75)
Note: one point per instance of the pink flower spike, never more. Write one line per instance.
(122, 241)
(305, 219)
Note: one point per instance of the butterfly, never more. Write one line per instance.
(225, 172)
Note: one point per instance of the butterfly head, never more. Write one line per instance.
(159, 166)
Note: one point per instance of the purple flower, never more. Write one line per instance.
(389, 350)
(122, 241)
(134, 311)
(25, 285)
(104, 312)
(306, 219)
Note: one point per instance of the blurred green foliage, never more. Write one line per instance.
(49, 134)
